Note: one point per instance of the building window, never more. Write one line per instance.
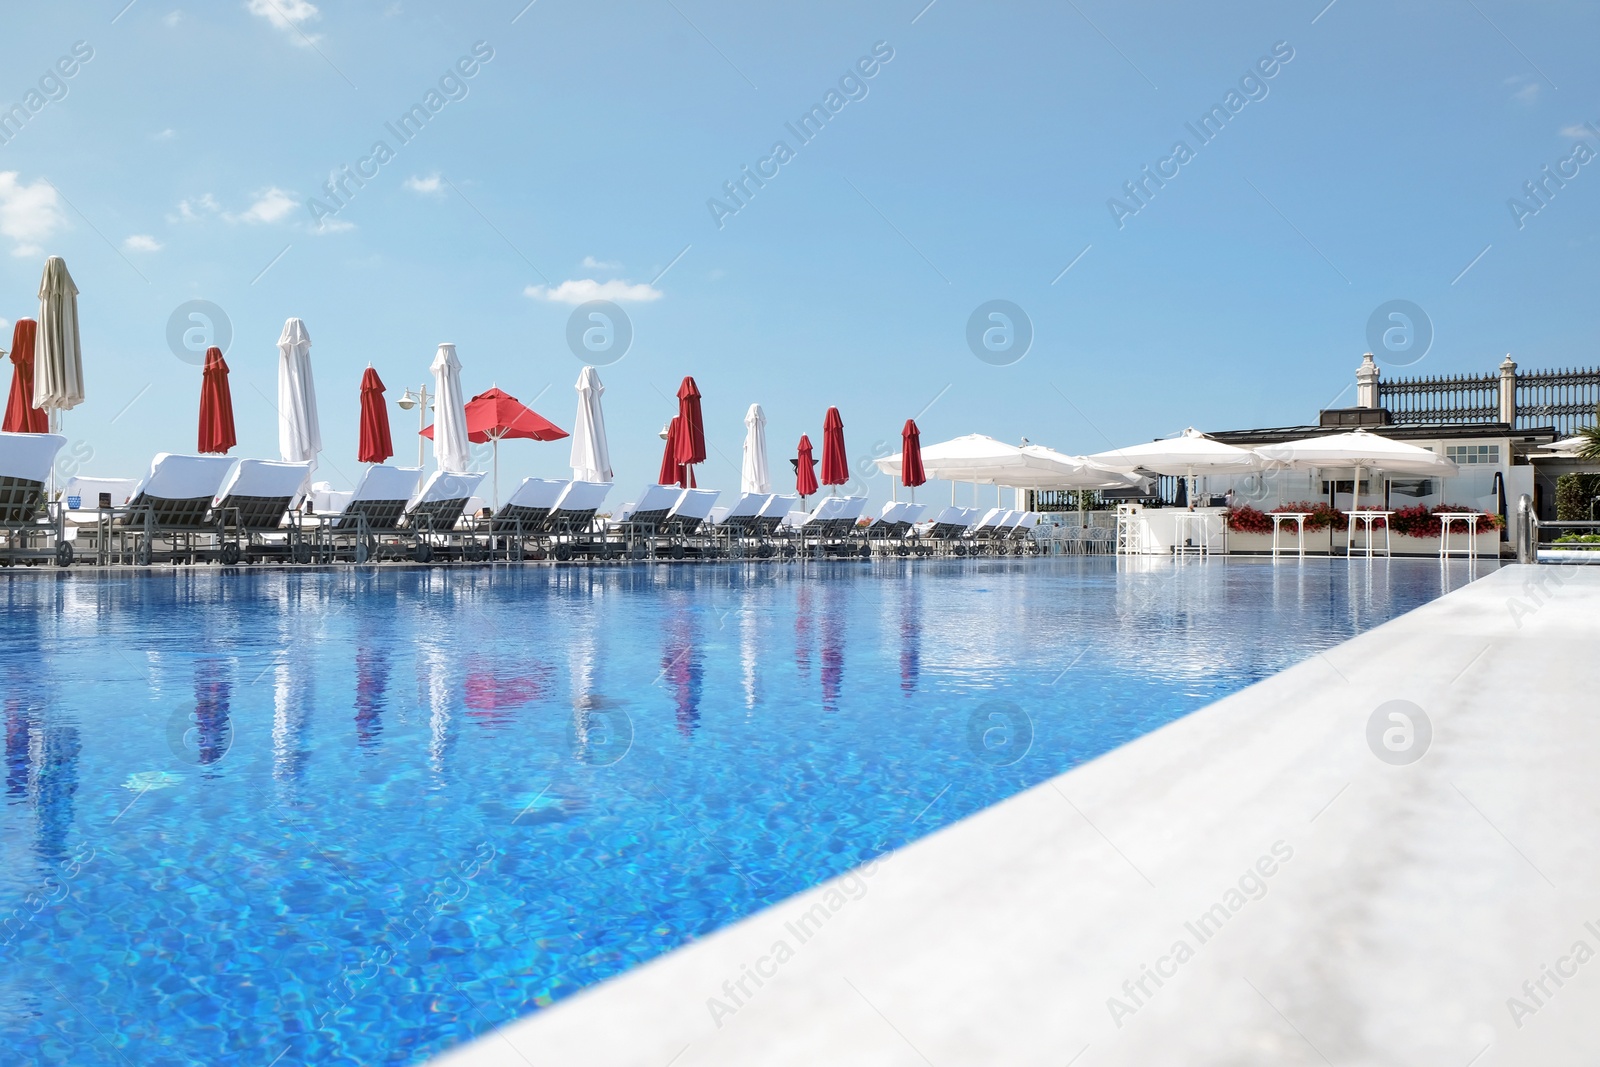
(1469, 455)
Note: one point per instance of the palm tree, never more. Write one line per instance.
(1590, 449)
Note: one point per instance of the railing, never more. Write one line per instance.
(1530, 532)
(1443, 398)
(1564, 399)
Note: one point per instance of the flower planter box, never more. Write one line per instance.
(1317, 543)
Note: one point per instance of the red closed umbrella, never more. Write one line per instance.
(216, 406)
(835, 467)
(376, 444)
(672, 472)
(911, 472)
(805, 472)
(21, 415)
(692, 430)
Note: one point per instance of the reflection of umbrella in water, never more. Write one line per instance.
(911, 639)
(683, 666)
(372, 685)
(56, 784)
(492, 693)
(213, 693)
(802, 630)
(832, 670)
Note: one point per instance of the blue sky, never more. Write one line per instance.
(180, 160)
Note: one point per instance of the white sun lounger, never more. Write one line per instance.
(260, 493)
(529, 504)
(691, 509)
(379, 500)
(25, 461)
(252, 505)
(652, 507)
(950, 522)
(574, 511)
(772, 513)
(743, 516)
(173, 502)
(438, 505)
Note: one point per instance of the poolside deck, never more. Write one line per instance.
(1303, 901)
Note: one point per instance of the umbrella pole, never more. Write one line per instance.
(497, 474)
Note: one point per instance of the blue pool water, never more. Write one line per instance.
(359, 817)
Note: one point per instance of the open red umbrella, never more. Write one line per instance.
(216, 406)
(672, 472)
(835, 467)
(21, 415)
(376, 444)
(911, 472)
(692, 436)
(496, 415)
(805, 474)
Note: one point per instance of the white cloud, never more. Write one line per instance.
(332, 225)
(192, 210)
(172, 18)
(1525, 90)
(582, 290)
(165, 135)
(29, 214)
(271, 205)
(141, 242)
(287, 15)
(427, 186)
(1577, 129)
(600, 264)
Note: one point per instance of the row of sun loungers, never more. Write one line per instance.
(213, 509)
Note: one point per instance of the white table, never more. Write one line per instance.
(1190, 526)
(1447, 520)
(1366, 519)
(1279, 518)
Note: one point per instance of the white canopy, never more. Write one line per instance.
(58, 363)
(450, 446)
(984, 460)
(754, 476)
(591, 458)
(1359, 448)
(299, 431)
(1189, 453)
(1085, 475)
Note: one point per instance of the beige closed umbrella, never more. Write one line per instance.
(58, 357)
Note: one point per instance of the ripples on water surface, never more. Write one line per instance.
(358, 817)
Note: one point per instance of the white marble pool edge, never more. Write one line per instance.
(1249, 884)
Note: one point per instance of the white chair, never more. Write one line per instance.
(252, 505)
(25, 517)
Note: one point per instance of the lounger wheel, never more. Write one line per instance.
(961, 550)
(366, 548)
(474, 552)
(231, 555)
(423, 552)
(865, 551)
(901, 550)
(142, 555)
(563, 553)
(677, 552)
(63, 553)
(788, 552)
(300, 552)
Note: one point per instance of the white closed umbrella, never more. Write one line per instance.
(451, 450)
(591, 458)
(753, 475)
(1189, 453)
(1359, 450)
(58, 360)
(299, 431)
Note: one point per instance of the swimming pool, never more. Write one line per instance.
(359, 816)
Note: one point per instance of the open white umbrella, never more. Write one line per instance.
(1359, 450)
(753, 475)
(450, 446)
(1189, 453)
(591, 458)
(58, 360)
(299, 431)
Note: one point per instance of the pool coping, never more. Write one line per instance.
(1405, 909)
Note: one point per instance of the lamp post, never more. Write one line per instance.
(422, 400)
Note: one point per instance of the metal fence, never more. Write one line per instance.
(1564, 399)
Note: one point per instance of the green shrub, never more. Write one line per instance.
(1573, 494)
